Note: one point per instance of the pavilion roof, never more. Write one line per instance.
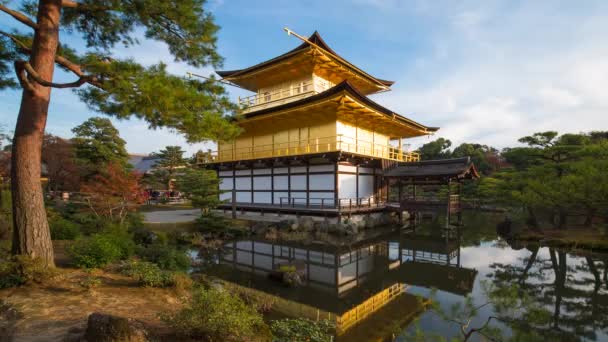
(315, 39)
(337, 92)
(458, 168)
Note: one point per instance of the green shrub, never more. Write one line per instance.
(89, 223)
(301, 329)
(166, 257)
(217, 315)
(95, 251)
(148, 274)
(22, 269)
(62, 229)
(121, 238)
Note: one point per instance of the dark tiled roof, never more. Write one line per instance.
(314, 38)
(445, 168)
(143, 164)
(343, 86)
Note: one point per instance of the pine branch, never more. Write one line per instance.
(22, 77)
(34, 75)
(66, 63)
(19, 16)
(69, 4)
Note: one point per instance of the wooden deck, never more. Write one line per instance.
(304, 209)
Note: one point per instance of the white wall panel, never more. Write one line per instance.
(298, 197)
(347, 186)
(226, 196)
(262, 197)
(278, 195)
(226, 183)
(243, 183)
(262, 183)
(366, 186)
(298, 169)
(242, 172)
(298, 182)
(261, 171)
(347, 168)
(322, 182)
(278, 170)
(243, 196)
(225, 173)
(366, 170)
(321, 168)
(281, 183)
(316, 198)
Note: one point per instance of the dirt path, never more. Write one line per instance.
(50, 311)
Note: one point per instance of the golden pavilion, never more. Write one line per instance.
(312, 139)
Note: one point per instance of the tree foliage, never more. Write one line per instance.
(559, 175)
(97, 143)
(113, 193)
(119, 87)
(58, 156)
(201, 187)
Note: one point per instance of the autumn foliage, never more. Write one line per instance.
(113, 193)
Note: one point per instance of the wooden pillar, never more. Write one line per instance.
(289, 184)
(357, 185)
(233, 192)
(336, 188)
(272, 183)
(447, 220)
(251, 185)
(307, 183)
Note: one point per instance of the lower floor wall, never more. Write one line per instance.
(312, 185)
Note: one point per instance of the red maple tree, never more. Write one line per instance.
(113, 193)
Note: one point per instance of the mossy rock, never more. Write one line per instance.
(109, 328)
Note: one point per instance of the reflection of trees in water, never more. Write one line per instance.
(569, 295)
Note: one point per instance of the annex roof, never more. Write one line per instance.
(458, 168)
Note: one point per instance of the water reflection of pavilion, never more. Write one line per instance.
(360, 283)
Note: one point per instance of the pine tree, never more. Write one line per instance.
(118, 87)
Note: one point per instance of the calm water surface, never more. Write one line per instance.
(373, 286)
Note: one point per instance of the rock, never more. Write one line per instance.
(284, 224)
(109, 328)
(306, 223)
(292, 279)
(8, 318)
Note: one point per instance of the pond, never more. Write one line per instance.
(378, 287)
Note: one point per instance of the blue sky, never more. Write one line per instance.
(483, 71)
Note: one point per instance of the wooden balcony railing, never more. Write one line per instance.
(309, 146)
(278, 97)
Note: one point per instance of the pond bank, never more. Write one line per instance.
(574, 238)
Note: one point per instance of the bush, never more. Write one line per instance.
(217, 315)
(166, 257)
(121, 238)
(218, 226)
(95, 251)
(22, 269)
(301, 329)
(148, 274)
(62, 229)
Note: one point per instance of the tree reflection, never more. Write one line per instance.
(568, 299)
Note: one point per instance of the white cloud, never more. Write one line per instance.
(495, 75)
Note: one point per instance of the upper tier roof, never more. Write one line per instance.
(355, 98)
(315, 38)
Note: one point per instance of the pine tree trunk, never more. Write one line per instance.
(31, 234)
